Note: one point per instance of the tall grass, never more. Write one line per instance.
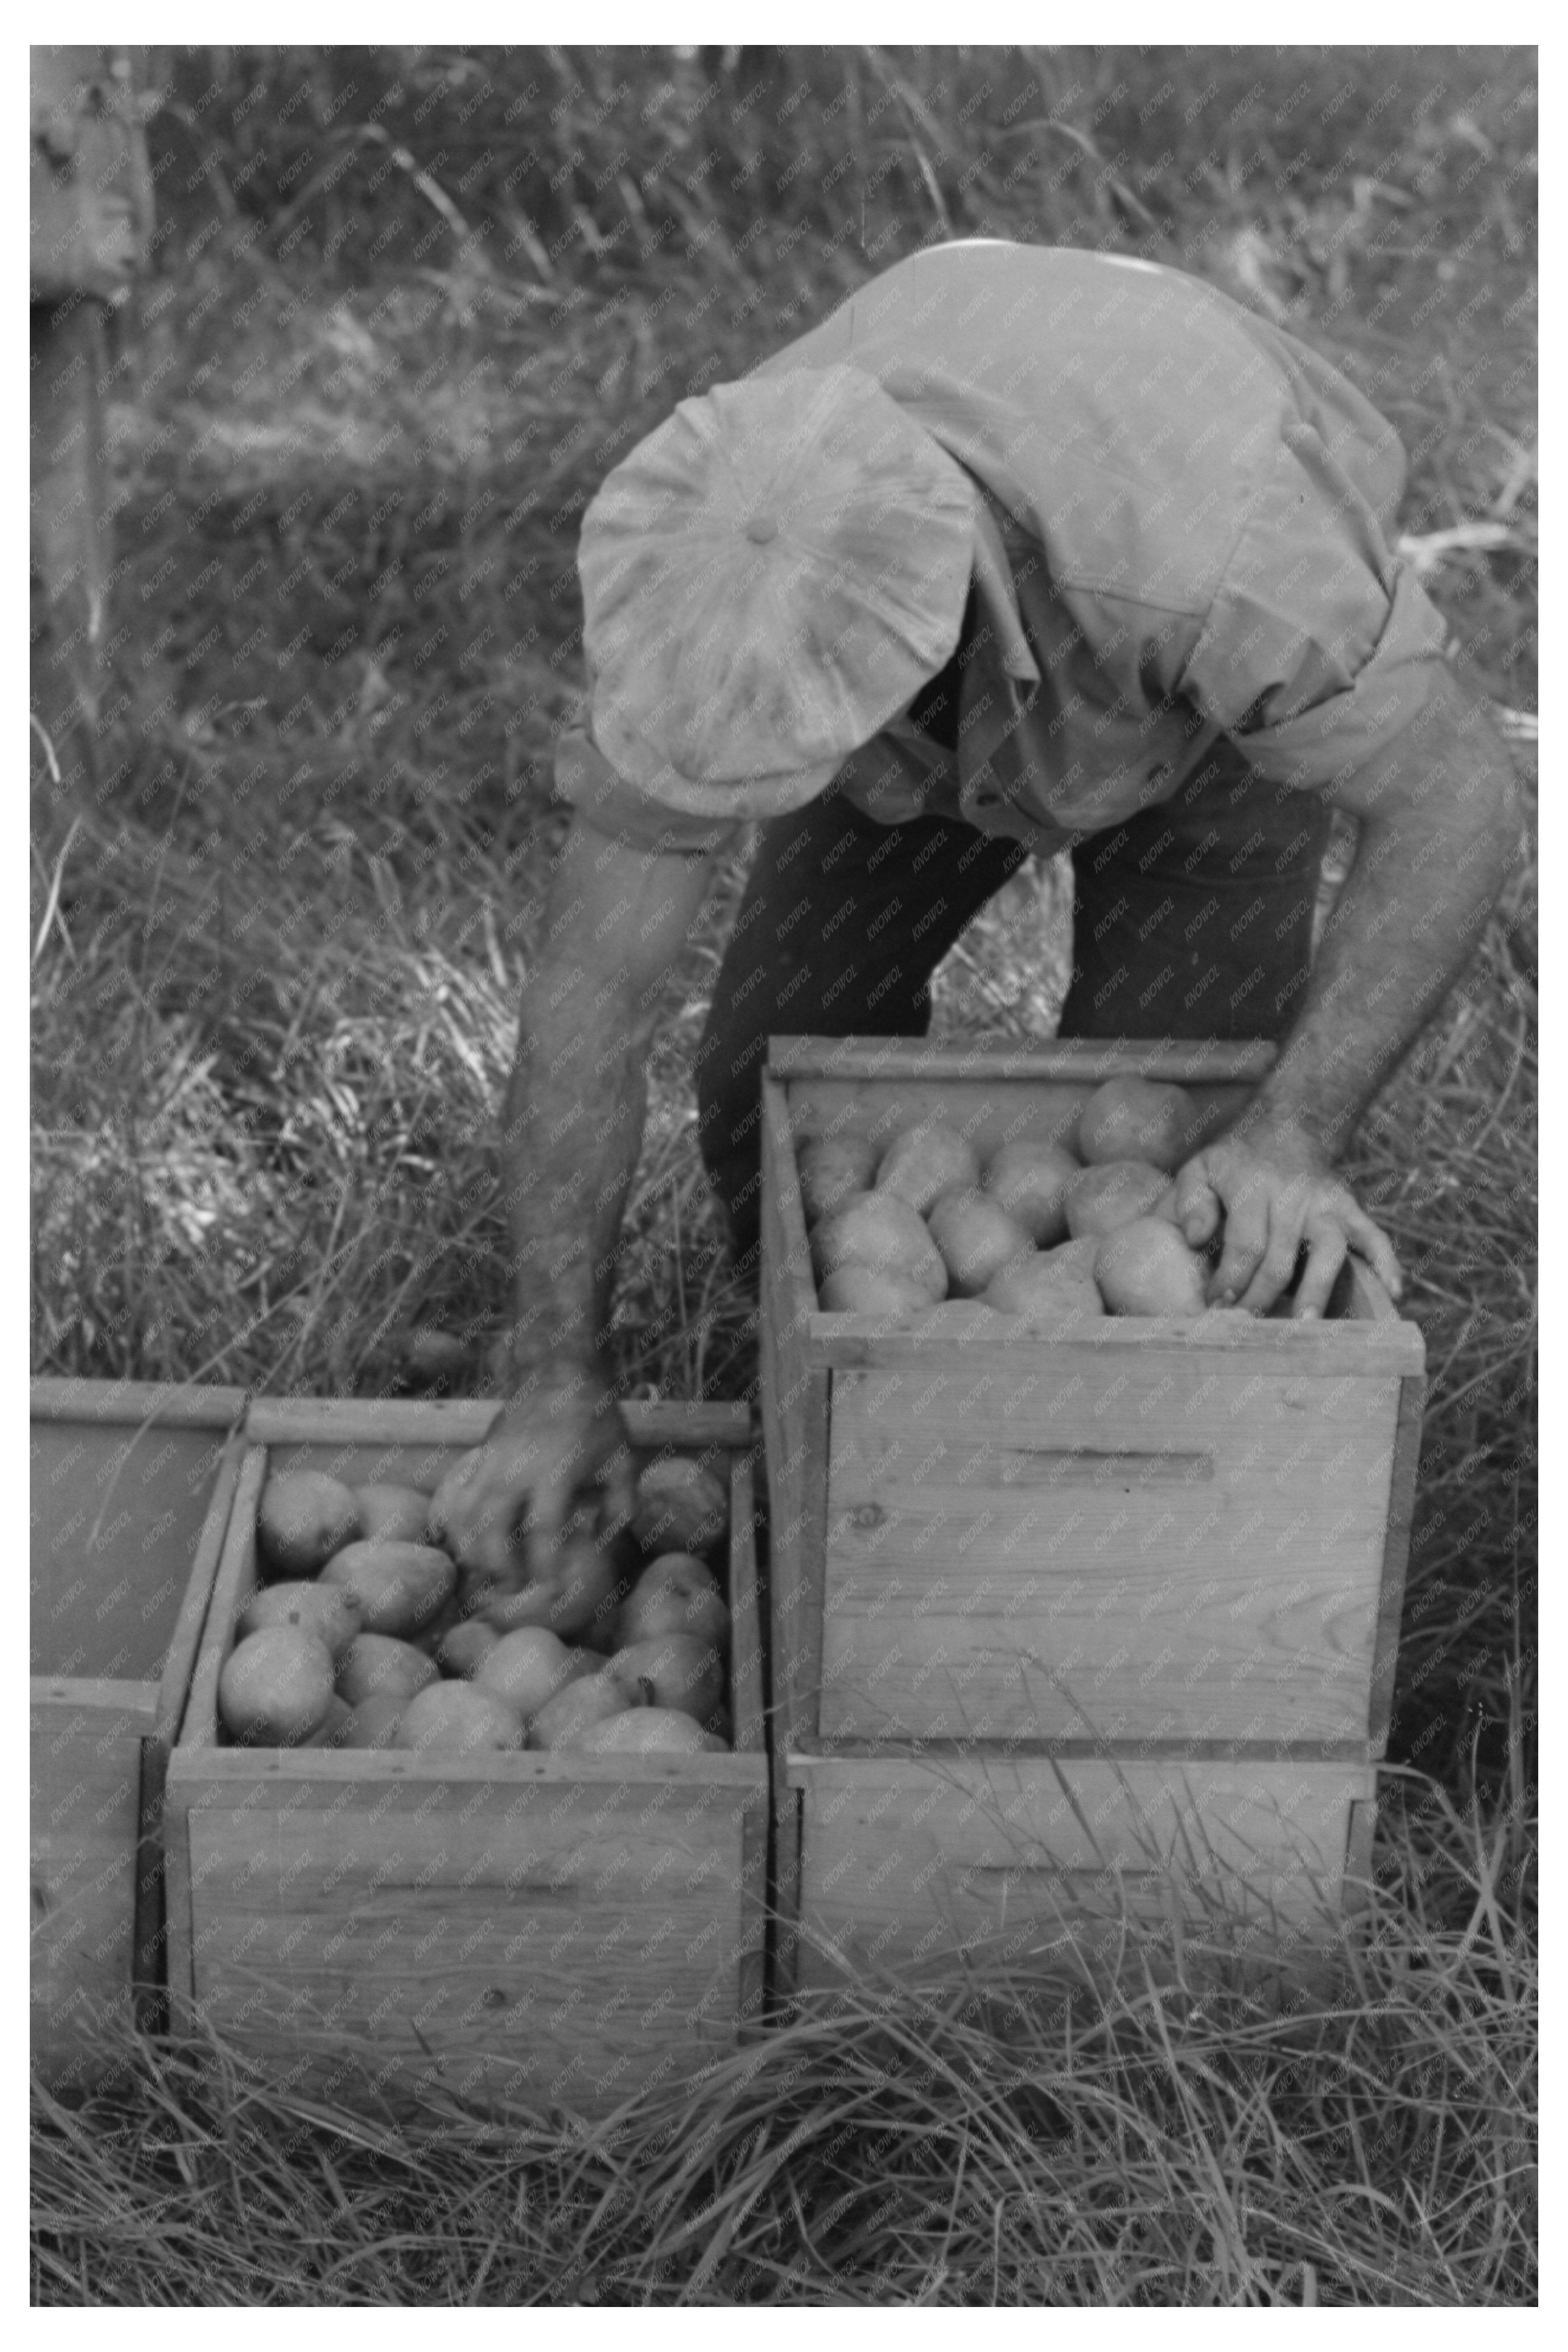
(1206, 2137)
(406, 312)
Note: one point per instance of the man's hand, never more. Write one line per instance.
(540, 1453)
(1277, 1195)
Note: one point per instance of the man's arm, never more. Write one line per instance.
(616, 920)
(1438, 827)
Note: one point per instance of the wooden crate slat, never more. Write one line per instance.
(905, 1862)
(1078, 1059)
(134, 1404)
(1042, 1561)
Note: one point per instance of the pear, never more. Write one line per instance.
(884, 1231)
(976, 1237)
(527, 1667)
(832, 1168)
(649, 1731)
(276, 1686)
(464, 1646)
(379, 1663)
(334, 1727)
(456, 1720)
(1138, 1118)
(676, 1670)
(393, 1514)
(1031, 1181)
(1146, 1268)
(852, 1289)
(321, 1609)
(399, 1586)
(1052, 1287)
(678, 1505)
(1113, 1194)
(562, 1719)
(676, 1594)
(926, 1161)
(304, 1517)
(375, 1721)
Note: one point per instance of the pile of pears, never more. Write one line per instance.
(365, 1632)
(1044, 1231)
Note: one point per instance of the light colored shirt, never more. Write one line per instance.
(1183, 536)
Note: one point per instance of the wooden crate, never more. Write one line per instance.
(566, 1928)
(902, 1858)
(1152, 1531)
(131, 1485)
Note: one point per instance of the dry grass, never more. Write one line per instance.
(275, 974)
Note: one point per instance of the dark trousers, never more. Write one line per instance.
(1193, 919)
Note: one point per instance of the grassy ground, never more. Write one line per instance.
(394, 339)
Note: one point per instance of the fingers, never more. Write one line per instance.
(1197, 1207)
(548, 1506)
(1245, 1244)
(1373, 1244)
(1326, 1251)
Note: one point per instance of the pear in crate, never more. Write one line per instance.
(1031, 1179)
(276, 1686)
(393, 1514)
(676, 1594)
(463, 1646)
(679, 1507)
(400, 1587)
(304, 1517)
(1138, 1118)
(925, 1160)
(1147, 1268)
(1052, 1287)
(562, 1721)
(379, 1665)
(883, 1231)
(375, 1721)
(864, 1290)
(527, 1668)
(832, 1170)
(675, 1670)
(457, 1719)
(976, 1237)
(319, 1609)
(1114, 1194)
(335, 1727)
(649, 1731)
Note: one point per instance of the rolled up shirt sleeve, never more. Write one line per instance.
(1319, 647)
(604, 800)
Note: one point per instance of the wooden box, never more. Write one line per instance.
(131, 1485)
(1150, 1530)
(566, 1928)
(905, 1857)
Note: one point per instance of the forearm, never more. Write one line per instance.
(1438, 832)
(614, 921)
(574, 1130)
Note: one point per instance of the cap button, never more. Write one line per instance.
(761, 528)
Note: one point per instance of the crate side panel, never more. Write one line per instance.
(86, 1800)
(117, 1517)
(795, 1399)
(566, 1943)
(904, 1861)
(1123, 1550)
